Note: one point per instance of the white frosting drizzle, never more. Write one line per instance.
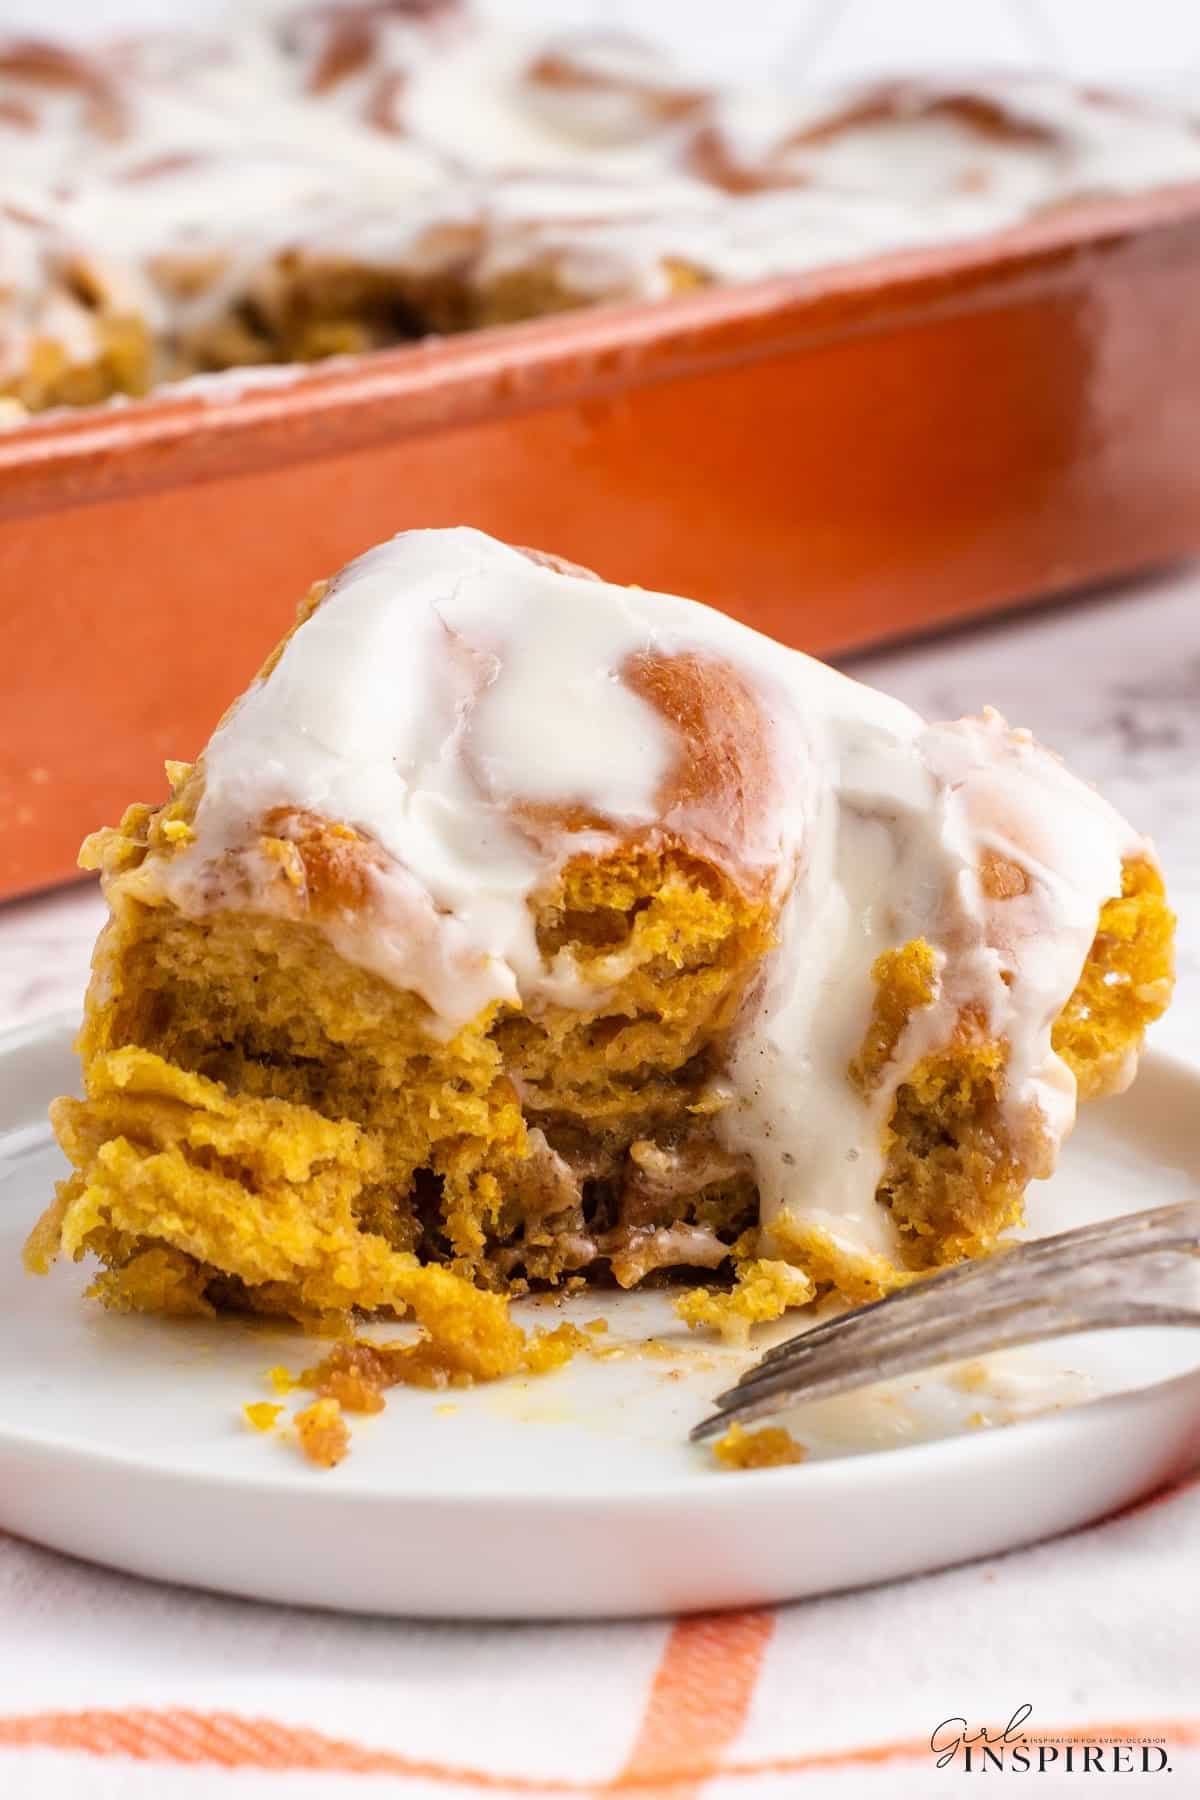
(434, 144)
(447, 682)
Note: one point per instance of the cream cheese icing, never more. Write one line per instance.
(420, 140)
(448, 686)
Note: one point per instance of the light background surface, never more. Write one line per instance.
(821, 39)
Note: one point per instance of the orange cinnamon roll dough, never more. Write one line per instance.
(517, 930)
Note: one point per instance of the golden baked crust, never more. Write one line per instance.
(120, 361)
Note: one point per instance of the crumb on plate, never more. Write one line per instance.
(261, 1414)
(765, 1289)
(323, 1433)
(353, 1378)
(768, 1448)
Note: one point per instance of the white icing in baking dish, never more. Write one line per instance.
(166, 177)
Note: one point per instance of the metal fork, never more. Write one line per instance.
(1096, 1278)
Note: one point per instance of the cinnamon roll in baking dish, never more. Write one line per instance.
(518, 929)
(320, 177)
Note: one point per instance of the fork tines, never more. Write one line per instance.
(1095, 1278)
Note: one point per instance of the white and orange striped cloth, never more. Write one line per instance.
(116, 1689)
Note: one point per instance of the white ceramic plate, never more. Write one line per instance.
(572, 1495)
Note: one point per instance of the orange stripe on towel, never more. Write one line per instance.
(226, 1740)
(698, 1701)
(229, 1741)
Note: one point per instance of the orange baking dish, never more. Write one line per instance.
(837, 458)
